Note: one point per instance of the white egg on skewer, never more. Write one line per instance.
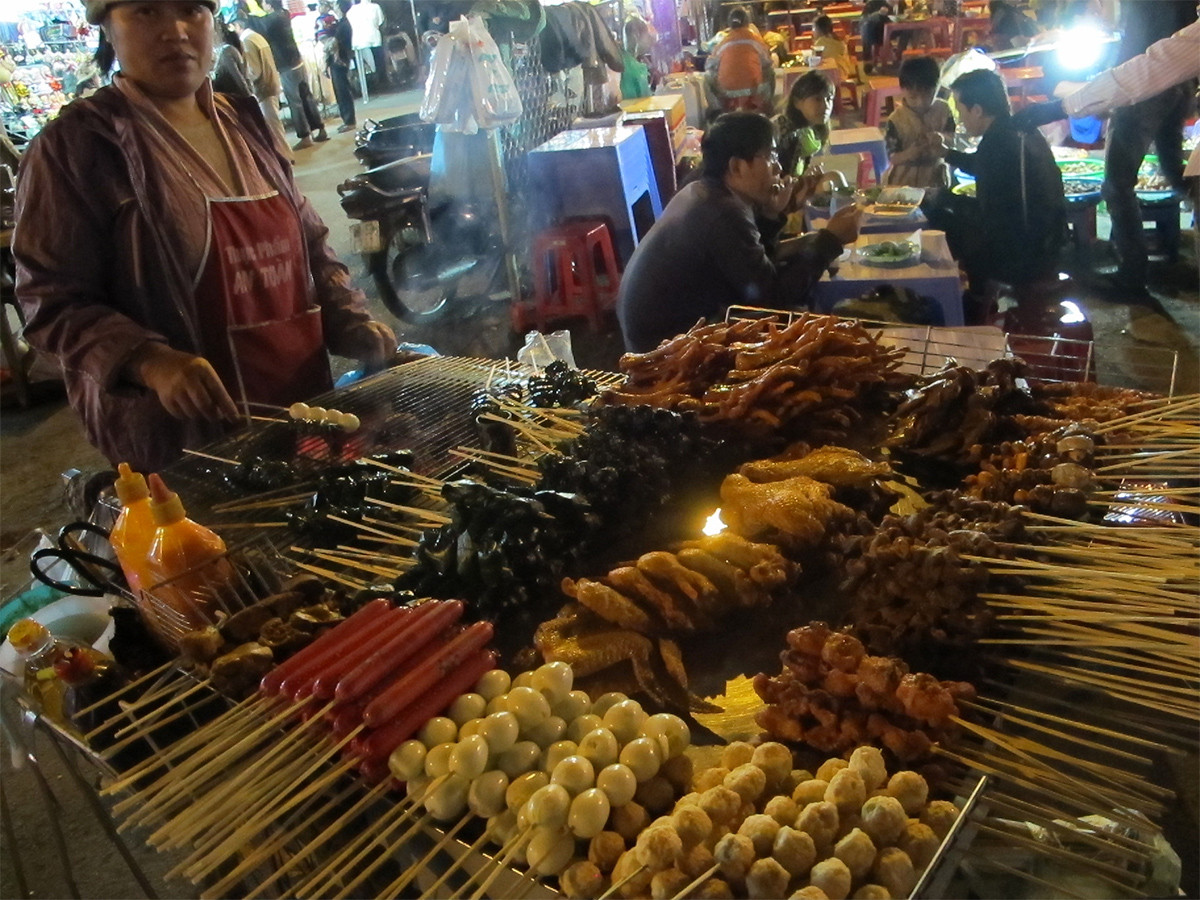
(438, 730)
(580, 726)
(600, 747)
(350, 423)
(437, 760)
(469, 758)
(449, 799)
(605, 702)
(521, 788)
(673, 728)
(643, 756)
(299, 411)
(548, 731)
(316, 414)
(467, 707)
(624, 720)
(554, 680)
(486, 794)
(416, 788)
(589, 813)
(575, 773)
(501, 827)
(549, 806)
(529, 706)
(550, 850)
(493, 683)
(618, 782)
(500, 730)
(572, 706)
(520, 758)
(408, 761)
(557, 752)
(522, 679)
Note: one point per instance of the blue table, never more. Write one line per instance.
(598, 173)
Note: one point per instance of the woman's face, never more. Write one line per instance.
(164, 46)
(815, 109)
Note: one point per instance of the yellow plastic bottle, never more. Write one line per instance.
(133, 532)
(187, 567)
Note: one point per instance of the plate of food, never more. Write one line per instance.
(896, 202)
(890, 254)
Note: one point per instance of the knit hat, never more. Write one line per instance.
(96, 9)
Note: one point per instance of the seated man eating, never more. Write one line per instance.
(716, 244)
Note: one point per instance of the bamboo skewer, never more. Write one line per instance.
(216, 757)
(375, 794)
(401, 811)
(394, 889)
(126, 688)
(269, 848)
(352, 583)
(699, 881)
(243, 833)
(499, 863)
(458, 863)
(1104, 871)
(220, 459)
(617, 885)
(406, 877)
(334, 876)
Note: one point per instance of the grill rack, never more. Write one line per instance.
(1050, 359)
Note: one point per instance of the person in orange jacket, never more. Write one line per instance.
(740, 69)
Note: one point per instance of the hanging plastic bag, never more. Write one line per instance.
(495, 94)
(448, 101)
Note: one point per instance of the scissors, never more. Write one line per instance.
(97, 575)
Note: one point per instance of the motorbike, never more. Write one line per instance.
(423, 255)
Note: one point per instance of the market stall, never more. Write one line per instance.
(787, 606)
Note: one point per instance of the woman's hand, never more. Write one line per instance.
(938, 145)
(373, 344)
(187, 386)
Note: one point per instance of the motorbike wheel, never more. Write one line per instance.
(406, 276)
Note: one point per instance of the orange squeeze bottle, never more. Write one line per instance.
(133, 532)
(187, 566)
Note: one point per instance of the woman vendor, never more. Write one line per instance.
(165, 255)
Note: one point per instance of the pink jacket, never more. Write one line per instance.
(98, 275)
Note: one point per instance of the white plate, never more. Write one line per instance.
(84, 619)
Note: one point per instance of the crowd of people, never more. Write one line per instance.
(1011, 231)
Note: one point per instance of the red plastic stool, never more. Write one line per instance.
(574, 274)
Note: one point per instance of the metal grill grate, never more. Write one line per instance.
(423, 407)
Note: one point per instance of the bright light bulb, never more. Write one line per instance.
(713, 524)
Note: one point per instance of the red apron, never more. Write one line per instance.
(260, 332)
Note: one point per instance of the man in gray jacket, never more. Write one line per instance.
(716, 244)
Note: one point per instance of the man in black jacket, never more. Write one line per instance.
(339, 54)
(1014, 227)
(276, 27)
(716, 242)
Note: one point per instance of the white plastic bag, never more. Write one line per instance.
(448, 92)
(492, 86)
(542, 349)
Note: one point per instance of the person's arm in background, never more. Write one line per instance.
(1165, 64)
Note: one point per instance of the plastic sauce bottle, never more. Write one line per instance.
(133, 532)
(186, 567)
(43, 655)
